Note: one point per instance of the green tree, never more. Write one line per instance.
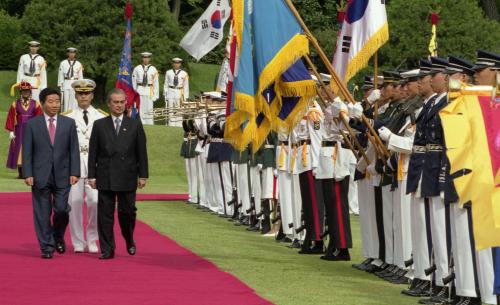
(10, 39)
(14, 7)
(96, 28)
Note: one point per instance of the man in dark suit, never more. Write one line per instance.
(51, 164)
(118, 165)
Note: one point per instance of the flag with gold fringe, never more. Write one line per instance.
(471, 125)
(270, 41)
(364, 31)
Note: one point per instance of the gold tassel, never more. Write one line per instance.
(294, 156)
(304, 154)
(281, 161)
(400, 167)
(334, 155)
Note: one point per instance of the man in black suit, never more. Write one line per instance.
(51, 164)
(118, 165)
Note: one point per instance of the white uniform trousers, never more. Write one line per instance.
(268, 184)
(209, 187)
(68, 99)
(243, 187)
(387, 202)
(439, 239)
(173, 101)
(255, 182)
(463, 252)
(285, 199)
(486, 275)
(353, 195)
(367, 219)
(82, 192)
(401, 225)
(213, 185)
(223, 187)
(145, 110)
(420, 236)
(201, 164)
(297, 208)
(192, 177)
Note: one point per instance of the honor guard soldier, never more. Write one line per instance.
(176, 87)
(189, 153)
(84, 115)
(145, 82)
(333, 170)
(307, 135)
(398, 134)
(32, 69)
(69, 70)
(23, 109)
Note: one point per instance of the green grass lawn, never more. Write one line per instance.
(276, 272)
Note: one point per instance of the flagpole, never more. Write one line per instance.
(344, 92)
(344, 121)
(375, 82)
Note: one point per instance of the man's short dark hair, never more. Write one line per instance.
(115, 91)
(48, 91)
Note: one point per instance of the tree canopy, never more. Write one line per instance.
(96, 28)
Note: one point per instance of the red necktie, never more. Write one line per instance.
(52, 130)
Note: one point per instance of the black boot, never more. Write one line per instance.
(266, 220)
(337, 255)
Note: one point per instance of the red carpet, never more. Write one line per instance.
(162, 272)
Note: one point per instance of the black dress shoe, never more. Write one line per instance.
(338, 255)
(295, 244)
(61, 248)
(314, 250)
(439, 296)
(286, 240)
(108, 255)
(420, 290)
(363, 264)
(131, 250)
(46, 255)
(469, 301)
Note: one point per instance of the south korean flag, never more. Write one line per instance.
(207, 32)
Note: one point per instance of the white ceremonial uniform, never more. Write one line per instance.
(403, 146)
(285, 184)
(201, 161)
(69, 71)
(296, 195)
(32, 69)
(176, 89)
(145, 82)
(82, 192)
(256, 186)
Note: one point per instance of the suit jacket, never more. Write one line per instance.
(117, 161)
(40, 157)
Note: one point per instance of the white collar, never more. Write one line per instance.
(47, 117)
(117, 117)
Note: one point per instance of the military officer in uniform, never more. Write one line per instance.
(69, 70)
(32, 69)
(190, 155)
(145, 82)
(176, 87)
(84, 115)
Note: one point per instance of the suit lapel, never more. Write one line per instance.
(124, 127)
(110, 130)
(43, 127)
(59, 128)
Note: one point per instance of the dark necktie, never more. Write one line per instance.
(117, 126)
(85, 117)
(32, 65)
(71, 71)
(145, 76)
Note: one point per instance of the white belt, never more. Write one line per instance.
(217, 140)
(269, 146)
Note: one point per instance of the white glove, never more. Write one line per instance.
(350, 109)
(259, 167)
(275, 172)
(371, 169)
(357, 111)
(373, 97)
(12, 136)
(384, 133)
(338, 106)
(314, 172)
